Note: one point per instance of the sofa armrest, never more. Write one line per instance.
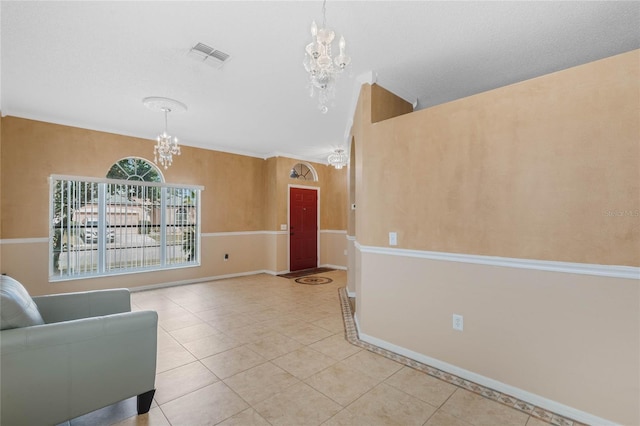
(85, 304)
(54, 372)
(75, 331)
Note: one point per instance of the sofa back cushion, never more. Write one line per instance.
(17, 308)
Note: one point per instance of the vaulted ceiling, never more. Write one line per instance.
(90, 64)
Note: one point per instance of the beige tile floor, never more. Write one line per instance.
(264, 350)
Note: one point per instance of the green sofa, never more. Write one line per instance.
(62, 356)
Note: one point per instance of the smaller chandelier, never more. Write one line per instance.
(322, 68)
(338, 159)
(166, 145)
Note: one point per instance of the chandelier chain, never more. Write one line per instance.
(324, 14)
(166, 125)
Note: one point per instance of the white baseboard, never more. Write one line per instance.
(201, 280)
(275, 273)
(523, 395)
(216, 278)
(328, 265)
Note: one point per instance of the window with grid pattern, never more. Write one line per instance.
(105, 227)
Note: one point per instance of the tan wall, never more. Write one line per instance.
(271, 191)
(28, 262)
(351, 266)
(351, 170)
(232, 202)
(535, 170)
(253, 202)
(333, 245)
(385, 105)
(361, 134)
(334, 202)
(529, 170)
(33, 150)
(568, 338)
(1, 120)
(246, 252)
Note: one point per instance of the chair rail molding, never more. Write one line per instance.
(614, 271)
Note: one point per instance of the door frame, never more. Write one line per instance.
(317, 189)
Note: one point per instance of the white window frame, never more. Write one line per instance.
(102, 270)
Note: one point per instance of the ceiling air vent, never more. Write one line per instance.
(210, 56)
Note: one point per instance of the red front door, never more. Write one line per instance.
(303, 228)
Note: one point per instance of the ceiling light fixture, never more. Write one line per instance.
(166, 145)
(322, 68)
(338, 158)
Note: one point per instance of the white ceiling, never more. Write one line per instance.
(89, 64)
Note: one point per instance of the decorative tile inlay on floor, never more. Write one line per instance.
(313, 280)
(351, 334)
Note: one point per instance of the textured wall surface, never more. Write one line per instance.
(242, 195)
(544, 170)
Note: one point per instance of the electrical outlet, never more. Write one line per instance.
(393, 238)
(458, 322)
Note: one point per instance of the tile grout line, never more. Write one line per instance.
(351, 335)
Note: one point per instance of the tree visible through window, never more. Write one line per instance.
(303, 171)
(128, 222)
(135, 169)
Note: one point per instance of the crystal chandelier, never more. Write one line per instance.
(338, 159)
(322, 68)
(166, 145)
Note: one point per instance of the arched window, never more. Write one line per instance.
(135, 169)
(303, 171)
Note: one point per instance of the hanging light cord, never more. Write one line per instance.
(166, 126)
(324, 14)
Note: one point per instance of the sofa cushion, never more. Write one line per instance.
(17, 308)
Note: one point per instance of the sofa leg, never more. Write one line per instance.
(145, 400)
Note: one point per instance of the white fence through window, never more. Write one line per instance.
(103, 227)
